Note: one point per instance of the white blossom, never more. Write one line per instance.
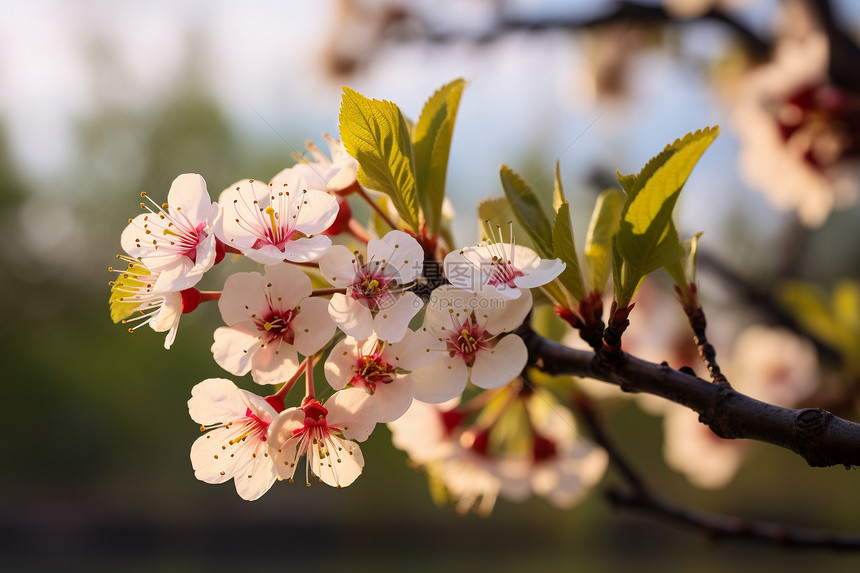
(376, 298)
(276, 222)
(176, 239)
(235, 445)
(269, 320)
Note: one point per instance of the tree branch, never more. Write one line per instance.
(725, 527)
(816, 435)
(641, 498)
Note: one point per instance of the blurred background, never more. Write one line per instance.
(101, 100)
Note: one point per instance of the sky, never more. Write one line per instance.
(262, 62)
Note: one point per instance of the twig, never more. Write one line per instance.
(724, 527)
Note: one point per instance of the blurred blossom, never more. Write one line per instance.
(691, 448)
(774, 365)
(697, 8)
(798, 131)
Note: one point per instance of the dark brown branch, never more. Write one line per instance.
(698, 323)
(725, 527)
(818, 436)
(622, 13)
(641, 498)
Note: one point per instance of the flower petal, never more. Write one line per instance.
(244, 294)
(400, 251)
(216, 400)
(440, 380)
(349, 411)
(285, 286)
(352, 317)
(189, 198)
(235, 346)
(392, 323)
(337, 265)
(341, 362)
(318, 211)
(546, 271)
(393, 399)
(313, 326)
(305, 250)
(274, 363)
(341, 465)
(499, 365)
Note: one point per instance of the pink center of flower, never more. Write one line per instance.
(503, 273)
(187, 242)
(543, 449)
(315, 414)
(820, 122)
(278, 324)
(254, 426)
(371, 370)
(466, 341)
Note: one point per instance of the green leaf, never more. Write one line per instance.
(565, 249)
(432, 137)
(377, 135)
(683, 270)
(647, 239)
(557, 189)
(605, 221)
(528, 211)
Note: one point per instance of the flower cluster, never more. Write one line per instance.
(332, 301)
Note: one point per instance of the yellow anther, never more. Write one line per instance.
(268, 325)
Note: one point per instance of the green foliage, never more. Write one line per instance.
(683, 270)
(565, 249)
(647, 238)
(432, 139)
(528, 211)
(835, 321)
(377, 135)
(605, 221)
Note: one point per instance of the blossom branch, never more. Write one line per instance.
(818, 436)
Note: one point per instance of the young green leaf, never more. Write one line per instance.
(565, 249)
(377, 135)
(605, 220)
(647, 239)
(432, 137)
(558, 189)
(528, 211)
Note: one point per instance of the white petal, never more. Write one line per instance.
(318, 212)
(188, 196)
(398, 250)
(546, 271)
(244, 294)
(284, 426)
(350, 411)
(256, 478)
(133, 231)
(305, 250)
(337, 265)
(392, 323)
(167, 317)
(342, 464)
(216, 400)
(393, 399)
(501, 364)
(211, 456)
(466, 269)
(313, 325)
(289, 285)
(174, 276)
(441, 380)
(275, 363)
(442, 301)
(242, 222)
(412, 352)
(507, 314)
(235, 346)
(341, 362)
(352, 317)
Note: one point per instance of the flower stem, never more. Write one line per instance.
(309, 378)
(288, 385)
(358, 231)
(376, 207)
(328, 291)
